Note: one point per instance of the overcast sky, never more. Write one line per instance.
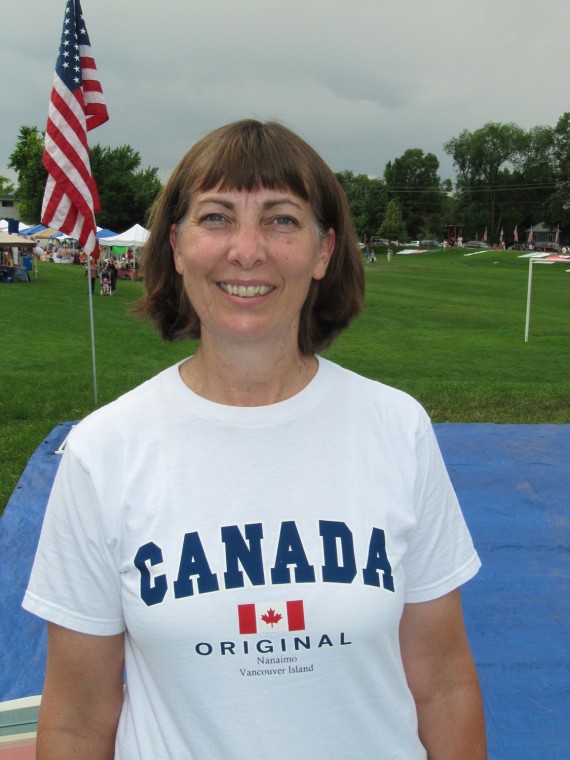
(361, 80)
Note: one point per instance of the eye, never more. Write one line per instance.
(213, 217)
(284, 221)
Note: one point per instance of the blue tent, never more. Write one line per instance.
(105, 234)
(34, 230)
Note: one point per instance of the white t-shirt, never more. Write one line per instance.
(258, 560)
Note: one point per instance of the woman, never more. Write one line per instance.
(114, 272)
(272, 588)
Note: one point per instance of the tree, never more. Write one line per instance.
(6, 187)
(393, 226)
(413, 181)
(367, 200)
(558, 205)
(26, 160)
(533, 179)
(484, 160)
(126, 192)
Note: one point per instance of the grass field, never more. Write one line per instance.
(446, 327)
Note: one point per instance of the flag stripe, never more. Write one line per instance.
(247, 621)
(76, 106)
(64, 155)
(74, 192)
(296, 616)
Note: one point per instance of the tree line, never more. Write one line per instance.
(126, 190)
(505, 177)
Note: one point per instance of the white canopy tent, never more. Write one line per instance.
(135, 237)
(4, 226)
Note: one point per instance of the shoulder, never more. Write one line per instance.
(374, 399)
(124, 419)
(351, 381)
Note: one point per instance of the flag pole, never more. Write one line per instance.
(92, 328)
(76, 106)
(528, 300)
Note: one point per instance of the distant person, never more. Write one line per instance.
(267, 544)
(91, 271)
(389, 254)
(114, 273)
(106, 281)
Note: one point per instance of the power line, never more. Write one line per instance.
(402, 189)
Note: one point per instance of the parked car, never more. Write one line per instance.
(424, 243)
(375, 240)
(476, 244)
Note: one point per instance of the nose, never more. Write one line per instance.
(247, 246)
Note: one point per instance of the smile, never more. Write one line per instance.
(246, 291)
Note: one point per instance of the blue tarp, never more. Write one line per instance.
(33, 230)
(514, 486)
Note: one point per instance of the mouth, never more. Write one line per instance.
(246, 291)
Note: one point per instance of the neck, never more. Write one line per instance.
(246, 378)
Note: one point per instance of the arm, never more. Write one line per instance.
(442, 678)
(82, 696)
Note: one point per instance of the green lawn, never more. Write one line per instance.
(449, 329)
(446, 327)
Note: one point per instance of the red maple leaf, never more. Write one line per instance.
(271, 617)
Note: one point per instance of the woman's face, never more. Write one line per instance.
(247, 260)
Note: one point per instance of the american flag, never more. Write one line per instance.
(485, 235)
(76, 106)
(516, 234)
(530, 236)
(502, 236)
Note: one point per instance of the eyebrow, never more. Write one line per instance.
(268, 204)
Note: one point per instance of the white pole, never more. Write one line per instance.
(528, 300)
(92, 329)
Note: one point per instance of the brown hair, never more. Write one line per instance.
(249, 155)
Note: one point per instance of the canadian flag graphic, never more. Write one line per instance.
(274, 616)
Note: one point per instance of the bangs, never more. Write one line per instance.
(253, 159)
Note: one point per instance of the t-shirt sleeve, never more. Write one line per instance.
(74, 580)
(441, 555)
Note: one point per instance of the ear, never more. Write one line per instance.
(326, 248)
(173, 235)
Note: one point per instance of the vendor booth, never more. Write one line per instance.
(133, 238)
(15, 266)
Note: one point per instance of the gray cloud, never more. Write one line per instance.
(362, 80)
